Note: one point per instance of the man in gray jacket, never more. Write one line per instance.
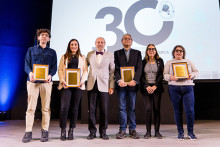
(100, 85)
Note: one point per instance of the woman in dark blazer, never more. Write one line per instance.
(151, 88)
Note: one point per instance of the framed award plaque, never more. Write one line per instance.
(180, 70)
(40, 72)
(72, 77)
(127, 74)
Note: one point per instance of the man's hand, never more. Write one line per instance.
(48, 79)
(31, 77)
(110, 91)
(122, 84)
(132, 83)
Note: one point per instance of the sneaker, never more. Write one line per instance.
(180, 136)
(104, 136)
(134, 134)
(27, 137)
(63, 135)
(121, 134)
(192, 136)
(44, 135)
(158, 135)
(70, 134)
(91, 136)
(147, 135)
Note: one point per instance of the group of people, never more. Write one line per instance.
(104, 74)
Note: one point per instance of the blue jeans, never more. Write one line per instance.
(126, 99)
(183, 96)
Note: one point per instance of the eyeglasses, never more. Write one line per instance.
(127, 38)
(151, 49)
(180, 51)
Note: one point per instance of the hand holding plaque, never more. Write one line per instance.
(127, 74)
(40, 72)
(180, 70)
(72, 77)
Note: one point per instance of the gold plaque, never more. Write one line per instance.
(180, 70)
(40, 72)
(72, 77)
(127, 74)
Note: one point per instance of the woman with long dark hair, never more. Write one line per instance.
(70, 97)
(152, 88)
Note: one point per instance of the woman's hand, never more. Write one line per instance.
(172, 78)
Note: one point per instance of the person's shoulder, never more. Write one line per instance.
(52, 50)
(170, 61)
(135, 50)
(119, 50)
(91, 52)
(33, 47)
(109, 53)
(160, 59)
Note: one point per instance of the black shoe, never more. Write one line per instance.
(147, 135)
(91, 136)
(158, 135)
(70, 134)
(121, 134)
(44, 135)
(27, 137)
(63, 135)
(104, 136)
(134, 134)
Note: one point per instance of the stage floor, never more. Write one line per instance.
(12, 131)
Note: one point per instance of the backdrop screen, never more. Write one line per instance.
(165, 23)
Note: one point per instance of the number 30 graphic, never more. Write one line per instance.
(130, 28)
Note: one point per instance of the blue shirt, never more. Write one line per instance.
(38, 55)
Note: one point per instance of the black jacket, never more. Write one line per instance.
(159, 77)
(121, 61)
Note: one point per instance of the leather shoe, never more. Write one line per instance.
(91, 136)
(104, 136)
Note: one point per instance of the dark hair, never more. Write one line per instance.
(39, 31)
(156, 56)
(180, 46)
(125, 35)
(68, 53)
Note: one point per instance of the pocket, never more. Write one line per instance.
(48, 58)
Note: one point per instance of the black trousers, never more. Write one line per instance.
(70, 99)
(152, 105)
(95, 97)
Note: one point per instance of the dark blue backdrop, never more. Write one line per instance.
(18, 23)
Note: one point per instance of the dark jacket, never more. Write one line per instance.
(121, 61)
(37, 55)
(159, 77)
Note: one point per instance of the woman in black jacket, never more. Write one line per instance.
(152, 88)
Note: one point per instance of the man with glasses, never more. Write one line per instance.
(127, 57)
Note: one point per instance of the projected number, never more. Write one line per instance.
(138, 37)
(112, 26)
